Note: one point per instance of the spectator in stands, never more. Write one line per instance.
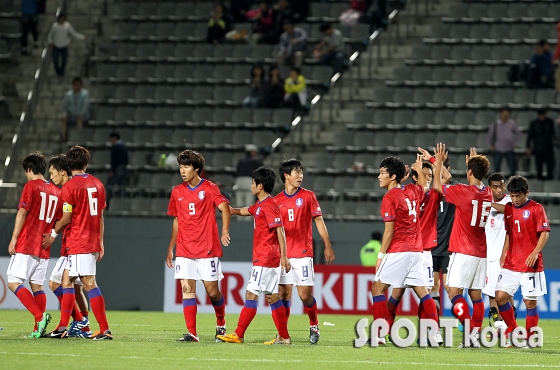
(369, 252)
(295, 89)
(263, 18)
(556, 60)
(282, 12)
(257, 95)
(376, 15)
(218, 25)
(300, 10)
(29, 19)
(557, 148)
(238, 8)
(59, 39)
(293, 45)
(353, 15)
(274, 88)
(245, 168)
(540, 72)
(540, 143)
(118, 175)
(503, 136)
(330, 50)
(75, 107)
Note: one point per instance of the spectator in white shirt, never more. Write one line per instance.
(59, 39)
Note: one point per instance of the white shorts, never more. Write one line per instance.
(26, 267)
(264, 280)
(467, 272)
(492, 273)
(56, 274)
(301, 273)
(402, 270)
(533, 284)
(200, 269)
(428, 268)
(81, 264)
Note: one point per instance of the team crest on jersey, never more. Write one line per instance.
(299, 202)
(494, 213)
(258, 211)
(201, 194)
(526, 214)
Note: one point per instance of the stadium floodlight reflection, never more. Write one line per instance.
(276, 143)
(7, 161)
(315, 99)
(14, 139)
(296, 121)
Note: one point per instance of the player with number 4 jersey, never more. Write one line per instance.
(195, 235)
(36, 214)
(299, 207)
(467, 268)
(527, 231)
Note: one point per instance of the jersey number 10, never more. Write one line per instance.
(50, 209)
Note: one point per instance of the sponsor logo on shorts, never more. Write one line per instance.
(201, 194)
(526, 214)
(299, 202)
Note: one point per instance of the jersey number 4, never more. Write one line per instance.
(483, 214)
(411, 208)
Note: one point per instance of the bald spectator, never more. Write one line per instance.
(503, 136)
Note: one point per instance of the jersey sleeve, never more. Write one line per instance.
(388, 209)
(272, 214)
(314, 206)
(172, 207)
(102, 196)
(217, 197)
(453, 193)
(26, 197)
(508, 213)
(251, 209)
(542, 220)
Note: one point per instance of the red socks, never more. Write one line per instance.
(478, 314)
(220, 310)
(311, 311)
(66, 306)
(26, 298)
(287, 306)
(506, 311)
(98, 307)
(531, 320)
(429, 308)
(279, 317)
(189, 311)
(392, 305)
(247, 315)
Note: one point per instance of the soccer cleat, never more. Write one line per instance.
(379, 341)
(463, 345)
(58, 334)
(279, 340)
(230, 338)
(34, 334)
(220, 330)
(314, 334)
(461, 327)
(271, 341)
(83, 334)
(439, 338)
(388, 339)
(77, 327)
(188, 338)
(106, 335)
(42, 325)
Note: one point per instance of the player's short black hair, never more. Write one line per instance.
(446, 164)
(77, 158)
(413, 173)
(190, 157)
(479, 165)
(541, 111)
(496, 176)
(287, 166)
(376, 235)
(115, 135)
(505, 109)
(297, 70)
(324, 26)
(287, 21)
(542, 42)
(394, 166)
(77, 79)
(518, 184)
(59, 163)
(266, 176)
(36, 162)
(255, 67)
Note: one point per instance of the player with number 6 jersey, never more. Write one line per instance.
(36, 214)
(195, 234)
(299, 207)
(467, 268)
(527, 232)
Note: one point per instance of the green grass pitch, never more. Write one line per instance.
(147, 340)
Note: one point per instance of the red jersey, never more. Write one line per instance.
(472, 207)
(401, 206)
(63, 248)
(297, 211)
(84, 196)
(195, 209)
(266, 248)
(428, 219)
(40, 198)
(524, 226)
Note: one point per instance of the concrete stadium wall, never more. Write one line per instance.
(131, 275)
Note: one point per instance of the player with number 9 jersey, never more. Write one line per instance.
(84, 197)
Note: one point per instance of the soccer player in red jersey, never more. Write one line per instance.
(83, 198)
(36, 214)
(400, 262)
(467, 268)
(298, 207)
(527, 231)
(269, 257)
(195, 233)
(59, 175)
